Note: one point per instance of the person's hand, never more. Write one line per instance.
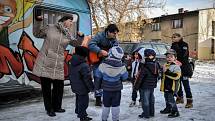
(103, 53)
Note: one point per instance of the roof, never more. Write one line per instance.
(180, 15)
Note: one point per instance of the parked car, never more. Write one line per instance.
(160, 49)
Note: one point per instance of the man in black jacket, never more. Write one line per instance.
(182, 51)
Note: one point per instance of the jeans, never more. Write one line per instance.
(186, 84)
(98, 92)
(148, 102)
(170, 101)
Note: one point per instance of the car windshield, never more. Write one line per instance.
(126, 47)
(161, 48)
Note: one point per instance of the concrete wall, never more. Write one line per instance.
(205, 34)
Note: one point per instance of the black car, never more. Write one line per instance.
(160, 49)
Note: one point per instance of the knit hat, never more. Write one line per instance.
(82, 51)
(116, 52)
(148, 52)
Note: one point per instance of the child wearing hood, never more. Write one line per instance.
(137, 55)
(81, 81)
(110, 74)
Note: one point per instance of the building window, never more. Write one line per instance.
(177, 23)
(51, 16)
(156, 27)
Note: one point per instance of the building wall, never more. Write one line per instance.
(205, 34)
(189, 32)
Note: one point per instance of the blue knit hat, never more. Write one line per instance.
(116, 52)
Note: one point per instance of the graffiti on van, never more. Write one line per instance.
(17, 43)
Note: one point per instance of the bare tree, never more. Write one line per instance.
(119, 11)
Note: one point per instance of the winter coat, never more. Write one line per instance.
(170, 79)
(148, 75)
(80, 75)
(110, 74)
(182, 51)
(101, 42)
(50, 60)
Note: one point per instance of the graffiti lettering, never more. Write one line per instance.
(8, 57)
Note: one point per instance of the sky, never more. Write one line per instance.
(172, 6)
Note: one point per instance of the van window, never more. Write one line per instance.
(51, 16)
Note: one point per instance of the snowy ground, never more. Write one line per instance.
(203, 89)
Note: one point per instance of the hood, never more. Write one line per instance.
(113, 62)
(140, 51)
(77, 60)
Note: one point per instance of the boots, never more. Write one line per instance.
(173, 114)
(98, 101)
(179, 100)
(189, 103)
(166, 111)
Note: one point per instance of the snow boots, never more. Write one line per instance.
(189, 103)
(179, 100)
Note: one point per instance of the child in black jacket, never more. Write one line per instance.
(147, 81)
(81, 81)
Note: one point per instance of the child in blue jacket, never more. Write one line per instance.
(110, 73)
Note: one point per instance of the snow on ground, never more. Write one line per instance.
(203, 89)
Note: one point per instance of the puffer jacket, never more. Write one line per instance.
(170, 79)
(148, 75)
(110, 75)
(50, 60)
(80, 75)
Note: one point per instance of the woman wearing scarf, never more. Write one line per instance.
(49, 65)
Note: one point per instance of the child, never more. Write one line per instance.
(110, 73)
(147, 81)
(170, 83)
(81, 81)
(137, 55)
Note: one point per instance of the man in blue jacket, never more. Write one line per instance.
(100, 44)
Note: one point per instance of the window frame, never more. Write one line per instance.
(177, 23)
(156, 26)
(54, 10)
